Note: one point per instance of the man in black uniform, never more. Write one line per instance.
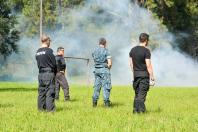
(140, 62)
(60, 75)
(47, 68)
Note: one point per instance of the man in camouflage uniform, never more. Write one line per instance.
(102, 74)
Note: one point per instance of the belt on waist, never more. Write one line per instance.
(60, 70)
(100, 67)
(43, 70)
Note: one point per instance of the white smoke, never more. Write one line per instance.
(120, 22)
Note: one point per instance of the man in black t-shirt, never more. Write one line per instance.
(140, 62)
(60, 75)
(47, 69)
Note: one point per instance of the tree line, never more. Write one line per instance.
(180, 17)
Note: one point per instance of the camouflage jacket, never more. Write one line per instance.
(100, 56)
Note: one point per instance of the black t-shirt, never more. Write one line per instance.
(60, 62)
(45, 58)
(138, 55)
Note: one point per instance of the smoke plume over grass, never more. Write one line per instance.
(120, 23)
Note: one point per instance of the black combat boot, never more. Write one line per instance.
(107, 103)
(136, 107)
(94, 103)
(142, 107)
(67, 98)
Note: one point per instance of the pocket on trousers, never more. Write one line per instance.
(135, 83)
(45, 79)
(52, 92)
(109, 86)
(108, 81)
(145, 82)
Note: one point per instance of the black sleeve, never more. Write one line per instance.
(53, 60)
(147, 54)
(56, 60)
(63, 63)
(59, 63)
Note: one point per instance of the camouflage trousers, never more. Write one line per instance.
(102, 80)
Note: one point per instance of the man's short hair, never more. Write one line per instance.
(143, 37)
(45, 38)
(102, 41)
(59, 49)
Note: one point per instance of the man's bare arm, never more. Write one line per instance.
(109, 63)
(131, 63)
(149, 68)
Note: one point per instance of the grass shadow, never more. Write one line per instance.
(6, 105)
(116, 104)
(157, 110)
(59, 109)
(113, 104)
(72, 100)
(17, 89)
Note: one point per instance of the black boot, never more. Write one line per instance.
(142, 107)
(136, 107)
(94, 103)
(107, 103)
(67, 98)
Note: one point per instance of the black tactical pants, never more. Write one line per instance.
(62, 81)
(141, 87)
(46, 91)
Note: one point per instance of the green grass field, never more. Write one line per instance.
(169, 109)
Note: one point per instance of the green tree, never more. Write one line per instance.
(30, 10)
(180, 16)
(16, 5)
(70, 3)
(31, 16)
(8, 34)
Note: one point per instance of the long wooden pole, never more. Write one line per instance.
(86, 59)
(88, 77)
(41, 18)
(79, 58)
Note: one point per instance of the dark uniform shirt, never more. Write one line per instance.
(60, 62)
(138, 55)
(46, 59)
